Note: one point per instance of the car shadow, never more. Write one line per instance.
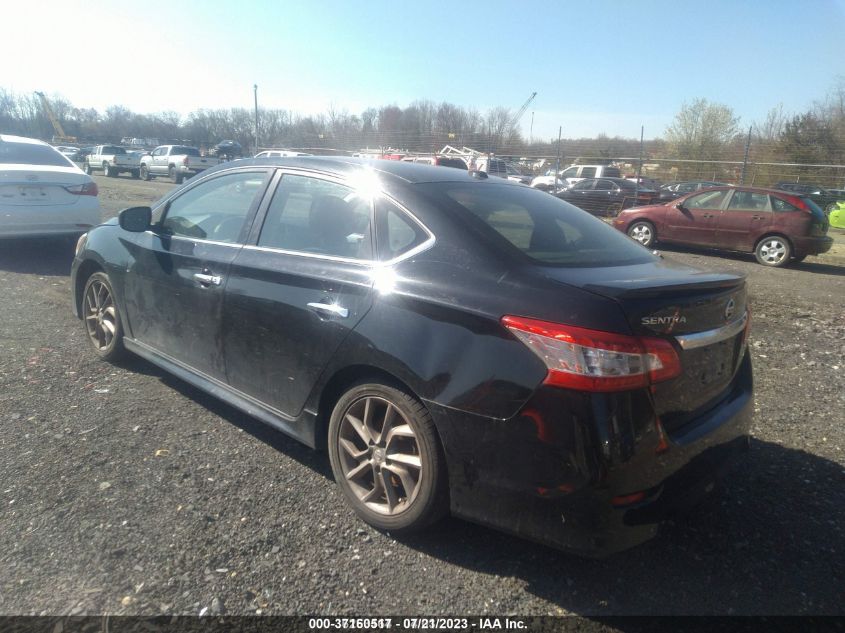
(37, 256)
(767, 542)
(814, 264)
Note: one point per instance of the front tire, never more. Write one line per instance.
(773, 250)
(643, 232)
(101, 317)
(108, 171)
(145, 173)
(136, 174)
(87, 169)
(387, 459)
(175, 176)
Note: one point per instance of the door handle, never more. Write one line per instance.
(330, 308)
(208, 280)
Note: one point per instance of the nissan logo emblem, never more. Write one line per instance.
(729, 309)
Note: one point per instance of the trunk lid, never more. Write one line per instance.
(25, 186)
(677, 302)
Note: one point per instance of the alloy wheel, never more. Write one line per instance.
(773, 251)
(100, 315)
(380, 455)
(641, 233)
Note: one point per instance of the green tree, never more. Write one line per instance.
(702, 130)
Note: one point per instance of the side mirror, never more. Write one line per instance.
(135, 219)
(680, 207)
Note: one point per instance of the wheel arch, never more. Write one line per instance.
(86, 269)
(339, 382)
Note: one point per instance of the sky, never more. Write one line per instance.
(597, 67)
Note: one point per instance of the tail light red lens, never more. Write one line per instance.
(86, 189)
(185, 160)
(591, 360)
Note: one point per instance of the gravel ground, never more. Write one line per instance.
(126, 491)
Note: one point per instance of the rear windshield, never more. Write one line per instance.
(114, 150)
(179, 149)
(457, 163)
(538, 226)
(32, 154)
(816, 209)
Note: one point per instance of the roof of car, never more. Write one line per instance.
(404, 170)
(8, 138)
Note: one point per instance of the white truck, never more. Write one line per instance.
(573, 174)
(177, 162)
(113, 160)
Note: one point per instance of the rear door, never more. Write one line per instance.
(746, 217)
(174, 289)
(581, 194)
(298, 289)
(693, 219)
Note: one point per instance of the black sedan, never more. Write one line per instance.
(607, 196)
(456, 343)
(827, 199)
(675, 190)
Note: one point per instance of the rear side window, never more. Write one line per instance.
(749, 201)
(779, 205)
(32, 154)
(612, 172)
(310, 215)
(397, 233)
(538, 226)
(588, 172)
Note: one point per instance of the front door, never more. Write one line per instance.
(174, 288)
(693, 219)
(745, 217)
(293, 297)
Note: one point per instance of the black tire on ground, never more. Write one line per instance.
(175, 176)
(136, 173)
(87, 168)
(101, 318)
(643, 232)
(773, 250)
(406, 458)
(799, 259)
(145, 173)
(108, 171)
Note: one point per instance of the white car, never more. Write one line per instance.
(42, 193)
(279, 153)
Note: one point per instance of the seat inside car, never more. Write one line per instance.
(331, 222)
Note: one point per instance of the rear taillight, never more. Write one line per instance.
(185, 160)
(591, 360)
(87, 189)
(798, 203)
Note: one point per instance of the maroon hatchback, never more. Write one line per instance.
(776, 226)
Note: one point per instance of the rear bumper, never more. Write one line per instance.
(551, 473)
(811, 245)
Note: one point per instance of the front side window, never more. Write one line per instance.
(605, 185)
(584, 185)
(707, 200)
(569, 172)
(216, 209)
(538, 226)
(317, 216)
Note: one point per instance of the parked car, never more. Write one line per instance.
(491, 166)
(455, 342)
(71, 153)
(517, 176)
(778, 227)
(113, 160)
(606, 196)
(572, 174)
(42, 193)
(279, 153)
(176, 162)
(825, 198)
(645, 182)
(675, 190)
(438, 160)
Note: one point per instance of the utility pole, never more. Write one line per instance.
(255, 89)
(557, 164)
(745, 160)
(531, 133)
(640, 164)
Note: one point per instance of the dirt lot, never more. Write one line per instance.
(124, 490)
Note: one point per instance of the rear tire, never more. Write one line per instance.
(87, 168)
(101, 318)
(175, 176)
(108, 171)
(643, 232)
(145, 173)
(387, 459)
(773, 250)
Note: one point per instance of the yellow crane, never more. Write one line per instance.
(59, 136)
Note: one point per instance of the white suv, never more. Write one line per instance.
(573, 174)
